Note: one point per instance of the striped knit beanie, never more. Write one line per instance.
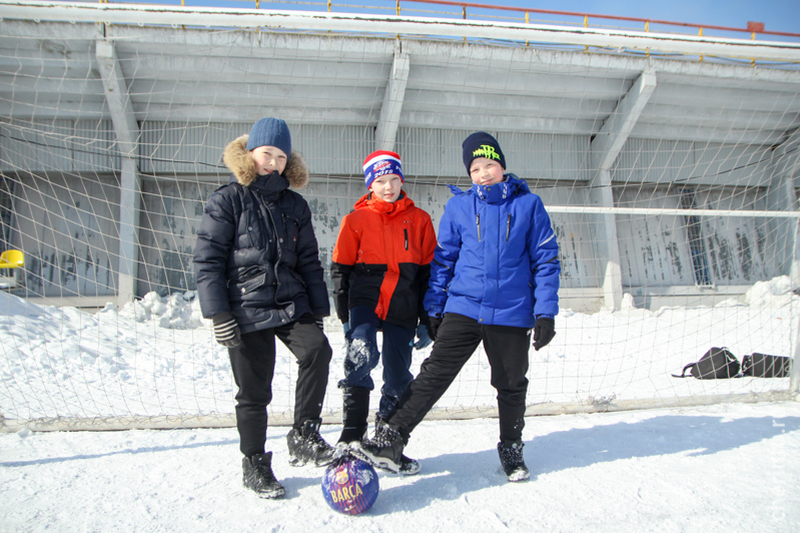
(380, 163)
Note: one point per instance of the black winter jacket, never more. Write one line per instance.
(256, 254)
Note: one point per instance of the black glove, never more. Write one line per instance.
(543, 332)
(320, 320)
(433, 326)
(226, 330)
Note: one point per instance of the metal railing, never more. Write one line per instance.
(480, 11)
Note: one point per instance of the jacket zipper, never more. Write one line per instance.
(478, 223)
(405, 237)
(508, 227)
(279, 254)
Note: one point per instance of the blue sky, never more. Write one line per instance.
(777, 15)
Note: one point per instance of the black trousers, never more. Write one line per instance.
(457, 339)
(253, 364)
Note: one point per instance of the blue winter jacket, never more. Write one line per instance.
(497, 257)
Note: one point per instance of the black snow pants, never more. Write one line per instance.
(253, 365)
(457, 339)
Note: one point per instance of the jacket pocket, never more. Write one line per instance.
(250, 279)
(254, 283)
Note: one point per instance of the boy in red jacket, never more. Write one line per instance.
(380, 271)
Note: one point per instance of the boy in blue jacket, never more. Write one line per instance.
(494, 278)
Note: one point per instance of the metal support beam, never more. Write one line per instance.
(783, 169)
(127, 132)
(781, 195)
(609, 141)
(605, 149)
(389, 119)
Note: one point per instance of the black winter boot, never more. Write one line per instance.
(408, 466)
(307, 445)
(258, 476)
(355, 406)
(511, 458)
(384, 450)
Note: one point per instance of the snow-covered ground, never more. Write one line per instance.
(730, 467)
(726, 468)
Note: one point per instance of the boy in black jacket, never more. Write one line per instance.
(259, 277)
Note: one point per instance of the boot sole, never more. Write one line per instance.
(272, 495)
(378, 462)
(315, 459)
(519, 475)
(410, 469)
(297, 462)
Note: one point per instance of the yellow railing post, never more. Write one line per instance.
(701, 34)
(586, 25)
(527, 20)
(464, 16)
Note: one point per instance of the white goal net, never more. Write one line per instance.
(668, 164)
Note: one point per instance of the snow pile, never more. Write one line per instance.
(177, 311)
(775, 292)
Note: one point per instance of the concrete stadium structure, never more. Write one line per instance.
(668, 162)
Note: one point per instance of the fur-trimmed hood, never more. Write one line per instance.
(237, 158)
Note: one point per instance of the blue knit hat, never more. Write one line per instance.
(270, 132)
(481, 144)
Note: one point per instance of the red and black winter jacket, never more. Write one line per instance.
(382, 259)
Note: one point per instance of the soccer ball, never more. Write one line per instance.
(350, 486)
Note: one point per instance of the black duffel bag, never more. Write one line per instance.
(760, 365)
(717, 363)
